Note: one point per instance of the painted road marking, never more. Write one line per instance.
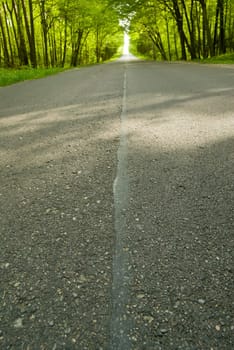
(121, 323)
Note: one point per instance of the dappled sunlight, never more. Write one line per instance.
(155, 121)
(33, 139)
(23, 122)
(180, 122)
(220, 90)
(167, 120)
(111, 152)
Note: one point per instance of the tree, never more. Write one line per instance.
(62, 32)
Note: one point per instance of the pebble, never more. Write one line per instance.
(5, 266)
(163, 331)
(140, 296)
(82, 279)
(18, 323)
(201, 301)
(68, 330)
(148, 319)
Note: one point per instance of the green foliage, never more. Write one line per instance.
(56, 33)
(227, 59)
(11, 76)
(187, 29)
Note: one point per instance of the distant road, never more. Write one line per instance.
(117, 209)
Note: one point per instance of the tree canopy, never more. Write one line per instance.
(73, 32)
(57, 32)
(174, 29)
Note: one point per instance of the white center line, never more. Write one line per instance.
(121, 320)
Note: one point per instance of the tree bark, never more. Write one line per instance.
(179, 22)
(222, 44)
(22, 49)
(207, 40)
(11, 58)
(4, 41)
(45, 32)
(30, 31)
(76, 52)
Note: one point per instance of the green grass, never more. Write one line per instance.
(223, 59)
(11, 76)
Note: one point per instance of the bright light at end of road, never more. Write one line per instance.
(126, 44)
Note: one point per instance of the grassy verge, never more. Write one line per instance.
(11, 76)
(223, 59)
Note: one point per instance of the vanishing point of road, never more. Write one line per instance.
(117, 209)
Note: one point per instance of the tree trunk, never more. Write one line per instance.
(179, 23)
(190, 25)
(98, 51)
(75, 54)
(175, 43)
(11, 58)
(22, 49)
(65, 43)
(207, 40)
(4, 41)
(45, 33)
(198, 23)
(168, 39)
(222, 44)
(216, 28)
(30, 32)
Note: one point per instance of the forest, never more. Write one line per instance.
(56, 33)
(59, 33)
(183, 29)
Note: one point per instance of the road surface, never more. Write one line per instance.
(117, 209)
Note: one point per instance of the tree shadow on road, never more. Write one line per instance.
(57, 222)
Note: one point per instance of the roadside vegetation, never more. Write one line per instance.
(11, 76)
(222, 59)
(181, 29)
(38, 38)
(57, 33)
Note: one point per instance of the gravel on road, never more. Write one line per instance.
(117, 209)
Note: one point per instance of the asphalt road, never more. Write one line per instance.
(117, 209)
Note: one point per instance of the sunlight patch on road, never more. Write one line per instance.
(178, 122)
(39, 134)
